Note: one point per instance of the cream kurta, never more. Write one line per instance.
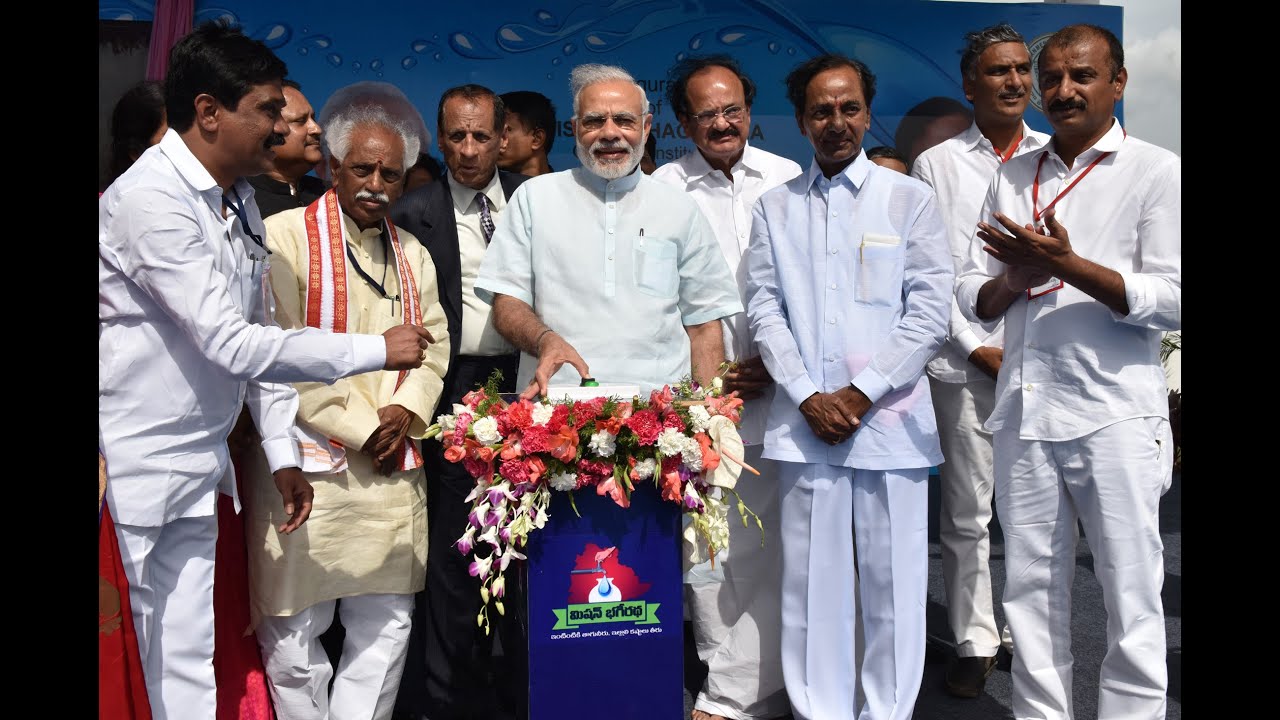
(367, 532)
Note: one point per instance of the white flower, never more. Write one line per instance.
(670, 442)
(602, 442)
(447, 423)
(460, 409)
(563, 481)
(691, 455)
(486, 431)
(542, 413)
(717, 383)
(698, 418)
(644, 468)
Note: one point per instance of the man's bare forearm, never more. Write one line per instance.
(706, 350)
(518, 323)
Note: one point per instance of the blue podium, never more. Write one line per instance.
(605, 610)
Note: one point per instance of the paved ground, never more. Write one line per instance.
(1088, 628)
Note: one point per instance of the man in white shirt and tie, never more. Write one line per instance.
(455, 218)
(736, 622)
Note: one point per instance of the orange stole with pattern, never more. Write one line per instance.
(326, 305)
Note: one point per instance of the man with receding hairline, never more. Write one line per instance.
(735, 620)
(288, 184)
(1080, 423)
(455, 669)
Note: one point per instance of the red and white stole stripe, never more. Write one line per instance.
(326, 308)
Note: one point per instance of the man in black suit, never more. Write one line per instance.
(454, 670)
(288, 185)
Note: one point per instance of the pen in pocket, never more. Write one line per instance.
(641, 237)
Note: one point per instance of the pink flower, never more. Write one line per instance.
(559, 416)
(535, 439)
(517, 416)
(564, 444)
(646, 426)
(610, 487)
(454, 453)
(671, 482)
(515, 471)
(673, 421)
(474, 398)
(478, 468)
(535, 466)
(660, 400)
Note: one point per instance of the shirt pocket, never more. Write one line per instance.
(655, 267)
(879, 280)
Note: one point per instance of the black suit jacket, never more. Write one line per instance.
(427, 212)
(274, 197)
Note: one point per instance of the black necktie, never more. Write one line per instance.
(486, 220)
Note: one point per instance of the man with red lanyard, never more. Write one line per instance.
(995, 68)
(1080, 422)
(340, 264)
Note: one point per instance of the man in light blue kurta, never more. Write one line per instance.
(602, 266)
(849, 279)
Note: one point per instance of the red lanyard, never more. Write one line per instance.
(1035, 186)
(1007, 153)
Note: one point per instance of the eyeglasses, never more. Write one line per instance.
(594, 121)
(732, 114)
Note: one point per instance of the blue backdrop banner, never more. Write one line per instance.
(425, 48)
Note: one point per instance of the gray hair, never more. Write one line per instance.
(592, 73)
(977, 42)
(343, 124)
(371, 102)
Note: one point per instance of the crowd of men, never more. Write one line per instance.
(989, 302)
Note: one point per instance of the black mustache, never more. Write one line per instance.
(727, 132)
(1066, 105)
(273, 140)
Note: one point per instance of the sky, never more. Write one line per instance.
(1153, 55)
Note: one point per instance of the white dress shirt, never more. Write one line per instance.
(727, 206)
(1071, 365)
(618, 268)
(478, 335)
(849, 281)
(959, 170)
(185, 338)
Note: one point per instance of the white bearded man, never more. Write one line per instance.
(643, 299)
(340, 264)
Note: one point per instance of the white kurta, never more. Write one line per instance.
(367, 532)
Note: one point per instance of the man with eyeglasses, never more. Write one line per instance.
(735, 611)
(642, 300)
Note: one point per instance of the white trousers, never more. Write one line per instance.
(368, 676)
(170, 571)
(1111, 481)
(966, 484)
(888, 513)
(737, 623)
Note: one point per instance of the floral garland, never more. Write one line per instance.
(520, 452)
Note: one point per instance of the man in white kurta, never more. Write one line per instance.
(364, 550)
(848, 289)
(736, 621)
(602, 270)
(996, 70)
(1080, 423)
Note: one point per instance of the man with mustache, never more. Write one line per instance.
(995, 68)
(340, 265)
(736, 620)
(453, 665)
(642, 300)
(185, 337)
(287, 184)
(848, 289)
(1080, 423)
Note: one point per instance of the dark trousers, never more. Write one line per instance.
(454, 671)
